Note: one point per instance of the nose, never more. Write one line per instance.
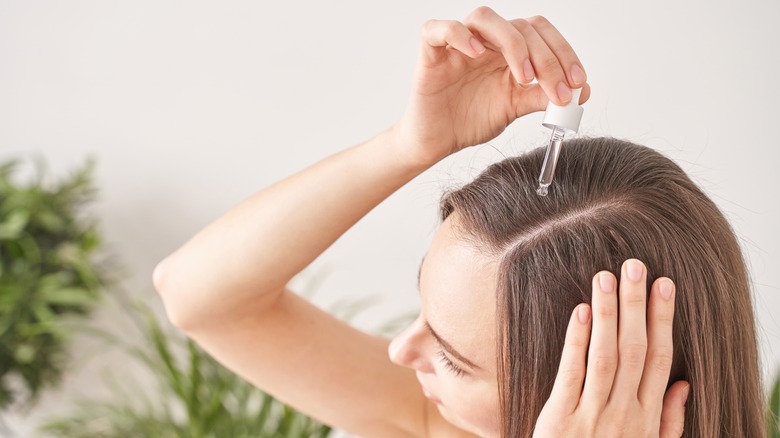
(408, 347)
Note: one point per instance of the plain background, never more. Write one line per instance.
(190, 107)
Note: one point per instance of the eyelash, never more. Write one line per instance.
(458, 371)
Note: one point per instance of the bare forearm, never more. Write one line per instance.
(245, 257)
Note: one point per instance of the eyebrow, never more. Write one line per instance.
(446, 345)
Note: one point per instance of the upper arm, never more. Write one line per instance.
(321, 366)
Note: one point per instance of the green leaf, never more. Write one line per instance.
(90, 240)
(54, 281)
(70, 297)
(29, 252)
(50, 221)
(43, 312)
(24, 353)
(14, 224)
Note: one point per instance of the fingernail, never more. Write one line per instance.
(606, 282)
(476, 45)
(583, 313)
(528, 70)
(666, 288)
(577, 74)
(564, 92)
(634, 269)
(685, 394)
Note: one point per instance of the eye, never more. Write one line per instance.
(458, 371)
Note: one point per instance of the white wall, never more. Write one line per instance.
(190, 107)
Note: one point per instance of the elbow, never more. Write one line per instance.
(194, 303)
(159, 276)
(172, 302)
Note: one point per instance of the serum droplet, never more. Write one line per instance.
(542, 190)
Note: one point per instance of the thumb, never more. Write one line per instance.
(673, 413)
(529, 98)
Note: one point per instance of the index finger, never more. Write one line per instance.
(658, 363)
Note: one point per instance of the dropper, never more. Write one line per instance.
(562, 120)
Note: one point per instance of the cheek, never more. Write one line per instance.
(472, 406)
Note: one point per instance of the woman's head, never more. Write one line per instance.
(531, 262)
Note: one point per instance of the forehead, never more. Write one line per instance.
(458, 295)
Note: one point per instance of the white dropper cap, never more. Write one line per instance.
(567, 117)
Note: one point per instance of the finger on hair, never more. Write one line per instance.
(436, 35)
(561, 48)
(549, 72)
(632, 332)
(673, 414)
(602, 354)
(658, 363)
(500, 33)
(567, 389)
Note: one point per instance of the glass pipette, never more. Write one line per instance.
(562, 120)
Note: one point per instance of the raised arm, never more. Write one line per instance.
(225, 287)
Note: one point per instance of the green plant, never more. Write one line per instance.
(773, 411)
(197, 398)
(47, 273)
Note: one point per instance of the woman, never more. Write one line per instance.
(490, 333)
(509, 261)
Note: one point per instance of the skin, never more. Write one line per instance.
(226, 287)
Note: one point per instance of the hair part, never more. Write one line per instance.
(612, 200)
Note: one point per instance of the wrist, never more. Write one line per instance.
(414, 156)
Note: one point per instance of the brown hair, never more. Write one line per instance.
(612, 200)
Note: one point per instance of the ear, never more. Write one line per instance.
(673, 414)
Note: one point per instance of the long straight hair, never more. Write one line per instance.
(613, 200)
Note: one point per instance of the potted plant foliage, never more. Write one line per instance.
(48, 276)
(196, 397)
(773, 411)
